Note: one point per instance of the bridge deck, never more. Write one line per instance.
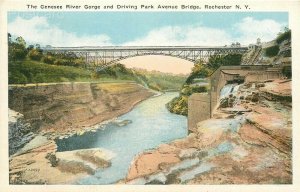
(131, 48)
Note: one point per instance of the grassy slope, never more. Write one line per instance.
(28, 71)
(162, 81)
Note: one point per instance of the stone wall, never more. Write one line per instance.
(198, 109)
(202, 106)
(249, 73)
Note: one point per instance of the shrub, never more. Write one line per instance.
(62, 62)
(17, 78)
(16, 51)
(78, 62)
(35, 54)
(284, 36)
(39, 78)
(199, 89)
(179, 105)
(189, 90)
(287, 72)
(272, 51)
(48, 59)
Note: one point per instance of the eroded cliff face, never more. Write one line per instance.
(19, 132)
(68, 108)
(60, 110)
(248, 141)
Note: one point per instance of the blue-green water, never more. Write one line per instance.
(152, 124)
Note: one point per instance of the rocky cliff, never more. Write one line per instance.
(68, 108)
(58, 110)
(248, 141)
(276, 52)
(19, 132)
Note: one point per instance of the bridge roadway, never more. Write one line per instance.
(102, 56)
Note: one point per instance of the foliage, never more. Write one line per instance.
(287, 72)
(21, 41)
(216, 61)
(117, 71)
(72, 61)
(16, 77)
(161, 81)
(16, 49)
(188, 90)
(28, 71)
(287, 53)
(49, 59)
(179, 105)
(272, 51)
(200, 70)
(35, 54)
(284, 36)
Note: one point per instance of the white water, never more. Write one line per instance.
(226, 90)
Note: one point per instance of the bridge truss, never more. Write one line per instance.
(102, 57)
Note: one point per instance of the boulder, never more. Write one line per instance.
(84, 160)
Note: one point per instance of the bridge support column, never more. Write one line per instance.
(199, 109)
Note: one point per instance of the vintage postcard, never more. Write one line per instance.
(149, 95)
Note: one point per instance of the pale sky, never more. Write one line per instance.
(164, 64)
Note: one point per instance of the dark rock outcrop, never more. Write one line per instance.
(19, 132)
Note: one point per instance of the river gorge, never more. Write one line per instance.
(122, 133)
(86, 133)
(146, 126)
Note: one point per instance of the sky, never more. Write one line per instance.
(145, 28)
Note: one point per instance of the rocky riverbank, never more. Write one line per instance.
(39, 163)
(248, 141)
(52, 111)
(70, 108)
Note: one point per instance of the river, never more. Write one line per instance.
(150, 125)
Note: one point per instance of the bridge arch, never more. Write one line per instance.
(113, 62)
(162, 63)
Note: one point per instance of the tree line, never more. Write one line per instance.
(18, 51)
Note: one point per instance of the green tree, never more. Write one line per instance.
(35, 54)
(286, 35)
(21, 41)
(16, 51)
(272, 51)
(49, 59)
(200, 70)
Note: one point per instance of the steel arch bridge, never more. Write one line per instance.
(100, 57)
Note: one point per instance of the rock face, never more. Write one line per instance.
(70, 107)
(58, 110)
(39, 163)
(85, 160)
(246, 142)
(279, 90)
(19, 132)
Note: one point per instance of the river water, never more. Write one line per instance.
(151, 124)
